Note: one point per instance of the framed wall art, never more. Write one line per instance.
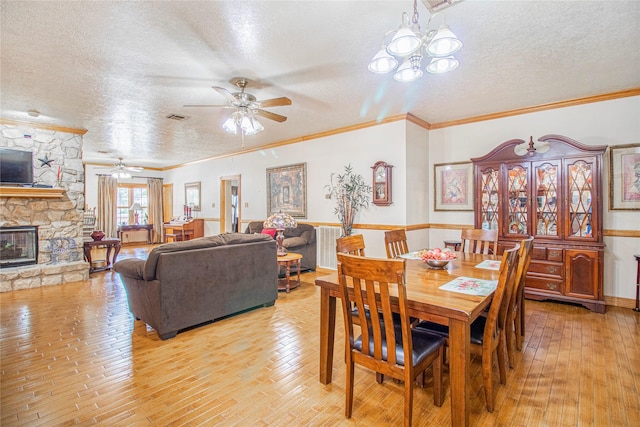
(192, 195)
(287, 190)
(453, 184)
(624, 177)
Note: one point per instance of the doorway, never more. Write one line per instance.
(167, 202)
(230, 204)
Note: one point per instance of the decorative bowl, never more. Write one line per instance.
(438, 264)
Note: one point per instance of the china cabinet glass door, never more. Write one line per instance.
(518, 200)
(579, 199)
(546, 218)
(489, 209)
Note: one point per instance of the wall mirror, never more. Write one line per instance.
(192, 195)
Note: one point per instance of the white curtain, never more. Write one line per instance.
(107, 203)
(154, 191)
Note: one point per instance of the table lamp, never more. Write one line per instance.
(279, 221)
(135, 208)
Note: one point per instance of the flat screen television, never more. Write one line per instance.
(16, 167)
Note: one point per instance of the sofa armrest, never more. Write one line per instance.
(130, 267)
(309, 235)
(294, 242)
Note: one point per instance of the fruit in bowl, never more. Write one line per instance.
(437, 258)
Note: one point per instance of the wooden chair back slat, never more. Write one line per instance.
(353, 245)
(515, 316)
(479, 241)
(395, 242)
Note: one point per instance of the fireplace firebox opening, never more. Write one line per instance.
(18, 246)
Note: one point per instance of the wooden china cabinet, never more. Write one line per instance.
(552, 191)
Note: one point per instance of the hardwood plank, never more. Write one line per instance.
(73, 355)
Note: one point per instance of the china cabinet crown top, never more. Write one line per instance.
(552, 146)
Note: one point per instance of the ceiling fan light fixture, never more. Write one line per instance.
(250, 125)
(255, 128)
(442, 65)
(229, 125)
(121, 174)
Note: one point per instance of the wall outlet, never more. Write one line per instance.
(246, 204)
(213, 205)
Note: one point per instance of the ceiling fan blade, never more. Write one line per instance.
(275, 102)
(224, 92)
(205, 105)
(134, 169)
(269, 115)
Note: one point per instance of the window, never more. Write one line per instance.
(128, 194)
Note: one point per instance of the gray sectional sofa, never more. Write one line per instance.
(183, 284)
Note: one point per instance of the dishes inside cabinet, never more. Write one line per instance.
(516, 227)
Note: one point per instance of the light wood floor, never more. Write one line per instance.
(73, 355)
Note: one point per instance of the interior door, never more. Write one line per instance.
(167, 202)
(230, 208)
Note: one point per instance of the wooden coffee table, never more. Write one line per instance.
(287, 260)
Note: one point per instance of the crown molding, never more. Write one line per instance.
(550, 106)
(42, 126)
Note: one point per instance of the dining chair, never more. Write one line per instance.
(395, 241)
(487, 332)
(515, 315)
(353, 244)
(386, 346)
(479, 241)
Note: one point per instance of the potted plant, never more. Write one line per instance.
(351, 194)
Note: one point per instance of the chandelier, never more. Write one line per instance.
(409, 45)
(244, 120)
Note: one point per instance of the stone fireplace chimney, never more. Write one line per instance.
(58, 212)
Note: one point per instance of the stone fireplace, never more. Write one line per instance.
(56, 213)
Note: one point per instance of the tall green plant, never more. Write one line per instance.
(351, 194)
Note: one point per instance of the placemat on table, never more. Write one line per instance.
(471, 286)
(489, 264)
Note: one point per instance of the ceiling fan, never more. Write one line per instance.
(121, 170)
(246, 108)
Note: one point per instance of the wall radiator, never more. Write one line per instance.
(327, 246)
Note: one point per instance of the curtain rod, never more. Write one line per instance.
(108, 174)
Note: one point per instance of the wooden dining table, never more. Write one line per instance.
(425, 300)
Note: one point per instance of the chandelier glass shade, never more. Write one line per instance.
(409, 45)
(243, 119)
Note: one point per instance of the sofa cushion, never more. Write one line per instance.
(270, 231)
(239, 238)
(254, 227)
(292, 242)
(149, 272)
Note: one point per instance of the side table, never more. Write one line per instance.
(109, 261)
(286, 261)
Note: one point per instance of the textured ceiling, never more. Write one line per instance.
(118, 69)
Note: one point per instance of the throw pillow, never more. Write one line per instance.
(270, 231)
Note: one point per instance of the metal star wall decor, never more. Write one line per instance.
(46, 161)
